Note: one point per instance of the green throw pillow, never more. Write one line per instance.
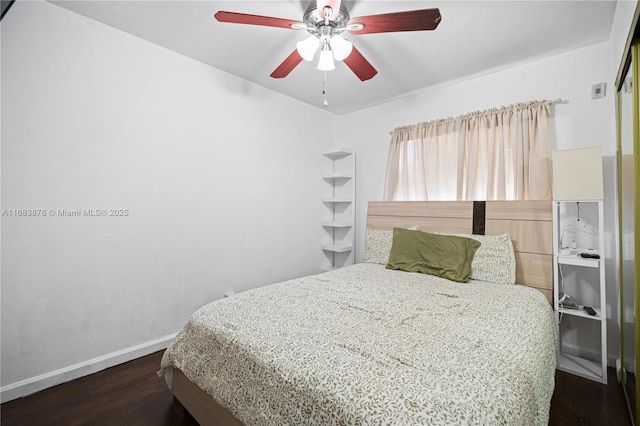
(444, 256)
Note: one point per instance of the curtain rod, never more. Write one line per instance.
(557, 101)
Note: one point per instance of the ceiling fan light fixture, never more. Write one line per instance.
(325, 20)
(307, 47)
(326, 60)
(341, 47)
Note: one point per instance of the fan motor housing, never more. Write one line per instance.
(317, 26)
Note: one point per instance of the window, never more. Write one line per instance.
(498, 154)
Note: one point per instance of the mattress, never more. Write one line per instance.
(366, 345)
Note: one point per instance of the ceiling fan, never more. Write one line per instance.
(326, 20)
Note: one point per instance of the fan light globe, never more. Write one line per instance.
(307, 47)
(341, 47)
(326, 60)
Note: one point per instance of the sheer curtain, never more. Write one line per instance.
(498, 154)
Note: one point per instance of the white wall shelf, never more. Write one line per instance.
(337, 248)
(578, 228)
(339, 199)
(337, 224)
(337, 176)
(338, 154)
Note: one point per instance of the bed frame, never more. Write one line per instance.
(529, 224)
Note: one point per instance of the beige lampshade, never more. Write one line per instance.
(577, 174)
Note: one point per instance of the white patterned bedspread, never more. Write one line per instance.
(364, 345)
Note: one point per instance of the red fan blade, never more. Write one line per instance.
(333, 4)
(359, 65)
(413, 20)
(287, 65)
(266, 21)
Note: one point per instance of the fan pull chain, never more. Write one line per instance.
(324, 91)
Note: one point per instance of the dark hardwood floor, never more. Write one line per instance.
(132, 394)
(584, 402)
(128, 394)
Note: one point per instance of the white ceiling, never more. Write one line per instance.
(474, 37)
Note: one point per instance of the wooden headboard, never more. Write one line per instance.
(529, 223)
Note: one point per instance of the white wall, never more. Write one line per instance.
(579, 122)
(220, 178)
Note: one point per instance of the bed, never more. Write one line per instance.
(367, 344)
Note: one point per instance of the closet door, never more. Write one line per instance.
(635, 108)
(629, 220)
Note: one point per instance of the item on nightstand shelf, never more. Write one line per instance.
(568, 302)
(589, 255)
(574, 248)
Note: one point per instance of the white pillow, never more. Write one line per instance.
(494, 260)
(378, 244)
